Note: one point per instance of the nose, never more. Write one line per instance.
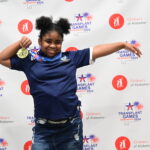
(52, 45)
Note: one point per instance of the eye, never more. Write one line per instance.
(58, 41)
(48, 41)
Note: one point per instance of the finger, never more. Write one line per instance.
(21, 44)
(138, 50)
(26, 43)
(133, 49)
(22, 41)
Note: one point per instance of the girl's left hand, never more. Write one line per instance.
(133, 49)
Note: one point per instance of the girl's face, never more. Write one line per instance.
(51, 43)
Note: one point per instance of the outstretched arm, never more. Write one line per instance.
(11, 50)
(106, 49)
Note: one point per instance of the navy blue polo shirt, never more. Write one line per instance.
(53, 85)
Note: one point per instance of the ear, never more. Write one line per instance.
(40, 41)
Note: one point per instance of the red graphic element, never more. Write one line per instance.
(116, 21)
(2, 83)
(81, 114)
(71, 49)
(25, 87)
(137, 44)
(140, 106)
(122, 143)
(95, 140)
(92, 79)
(3, 143)
(119, 82)
(27, 145)
(69, 0)
(25, 26)
(89, 18)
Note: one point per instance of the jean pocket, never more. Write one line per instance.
(77, 128)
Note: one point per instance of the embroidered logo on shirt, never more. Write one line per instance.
(65, 59)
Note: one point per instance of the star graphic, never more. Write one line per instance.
(82, 78)
(35, 49)
(79, 17)
(130, 107)
(85, 139)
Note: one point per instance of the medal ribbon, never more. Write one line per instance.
(35, 56)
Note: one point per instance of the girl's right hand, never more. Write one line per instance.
(25, 42)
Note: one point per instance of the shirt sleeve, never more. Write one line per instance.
(82, 57)
(18, 63)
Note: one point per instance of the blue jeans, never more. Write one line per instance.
(67, 136)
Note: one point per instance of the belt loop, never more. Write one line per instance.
(41, 121)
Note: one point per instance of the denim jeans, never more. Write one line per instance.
(67, 136)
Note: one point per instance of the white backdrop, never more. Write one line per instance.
(114, 90)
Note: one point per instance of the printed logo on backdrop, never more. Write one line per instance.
(25, 88)
(30, 120)
(119, 82)
(2, 83)
(33, 3)
(27, 145)
(136, 21)
(141, 144)
(122, 143)
(85, 84)
(93, 116)
(132, 112)
(5, 120)
(81, 22)
(139, 83)
(116, 21)
(90, 142)
(25, 26)
(125, 55)
(3, 144)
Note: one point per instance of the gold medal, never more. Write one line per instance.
(22, 53)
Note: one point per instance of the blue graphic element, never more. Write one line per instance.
(136, 103)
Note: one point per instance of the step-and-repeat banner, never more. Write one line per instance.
(114, 90)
